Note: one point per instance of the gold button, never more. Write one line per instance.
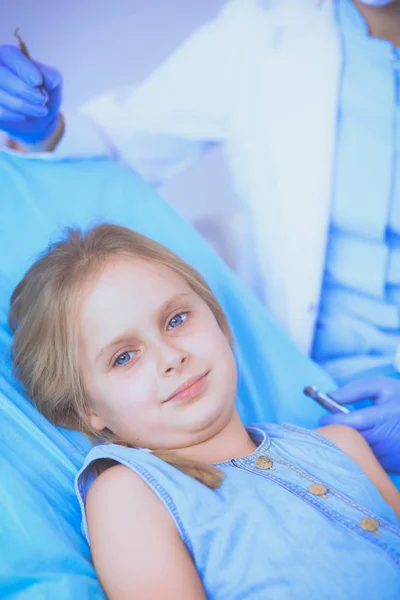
(318, 489)
(263, 462)
(369, 524)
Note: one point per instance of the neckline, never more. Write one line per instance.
(259, 437)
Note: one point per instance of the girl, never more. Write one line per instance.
(117, 337)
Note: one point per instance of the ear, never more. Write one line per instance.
(95, 422)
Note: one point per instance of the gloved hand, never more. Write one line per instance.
(379, 423)
(25, 114)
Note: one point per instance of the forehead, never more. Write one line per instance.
(136, 281)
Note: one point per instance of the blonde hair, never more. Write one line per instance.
(42, 311)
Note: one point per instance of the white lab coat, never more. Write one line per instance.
(262, 78)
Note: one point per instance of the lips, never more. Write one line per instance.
(190, 388)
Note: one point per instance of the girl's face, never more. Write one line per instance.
(157, 368)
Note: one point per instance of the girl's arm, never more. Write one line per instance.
(136, 547)
(353, 444)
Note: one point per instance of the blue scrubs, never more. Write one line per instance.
(358, 328)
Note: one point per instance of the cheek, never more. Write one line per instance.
(132, 408)
(123, 395)
(128, 390)
(215, 347)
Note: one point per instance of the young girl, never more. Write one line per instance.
(117, 337)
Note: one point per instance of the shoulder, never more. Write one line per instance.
(136, 548)
(350, 441)
(355, 446)
(346, 438)
(338, 433)
(120, 500)
(115, 484)
(120, 504)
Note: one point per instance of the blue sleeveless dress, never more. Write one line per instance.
(296, 519)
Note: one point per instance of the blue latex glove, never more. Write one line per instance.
(22, 114)
(379, 423)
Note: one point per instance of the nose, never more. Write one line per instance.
(173, 359)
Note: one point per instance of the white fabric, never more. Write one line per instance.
(262, 78)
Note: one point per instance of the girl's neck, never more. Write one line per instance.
(232, 441)
(383, 22)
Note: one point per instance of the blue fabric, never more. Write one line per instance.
(359, 325)
(40, 522)
(263, 533)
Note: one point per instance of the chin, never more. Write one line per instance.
(208, 422)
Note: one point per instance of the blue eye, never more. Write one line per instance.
(123, 358)
(177, 320)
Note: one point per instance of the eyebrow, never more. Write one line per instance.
(172, 301)
(127, 335)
